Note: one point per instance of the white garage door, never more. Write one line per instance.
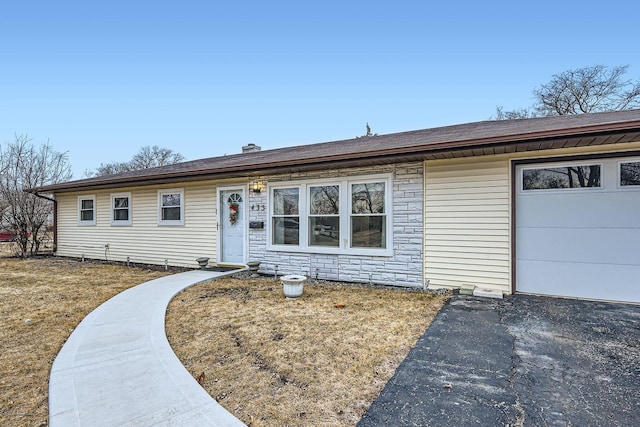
(578, 229)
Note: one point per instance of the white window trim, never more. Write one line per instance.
(120, 222)
(171, 191)
(95, 210)
(345, 216)
(270, 215)
(619, 174)
(387, 202)
(521, 189)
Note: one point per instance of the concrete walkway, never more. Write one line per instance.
(117, 368)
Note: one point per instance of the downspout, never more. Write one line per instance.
(425, 279)
(55, 219)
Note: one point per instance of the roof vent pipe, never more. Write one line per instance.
(251, 148)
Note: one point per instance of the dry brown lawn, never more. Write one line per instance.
(310, 361)
(267, 360)
(41, 302)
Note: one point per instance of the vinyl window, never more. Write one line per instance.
(171, 207)
(324, 215)
(368, 218)
(341, 215)
(87, 210)
(121, 209)
(285, 218)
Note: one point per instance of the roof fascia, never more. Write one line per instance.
(359, 158)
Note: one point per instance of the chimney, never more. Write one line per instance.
(251, 148)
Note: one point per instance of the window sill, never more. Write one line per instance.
(332, 250)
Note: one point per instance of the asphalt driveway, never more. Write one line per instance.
(521, 361)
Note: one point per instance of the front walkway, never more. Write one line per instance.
(117, 368)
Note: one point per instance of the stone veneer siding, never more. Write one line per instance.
(403, 268)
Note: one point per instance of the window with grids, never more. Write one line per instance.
(171, 207)
(87, 210)
(121, 209)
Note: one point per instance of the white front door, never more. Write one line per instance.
(232, 226)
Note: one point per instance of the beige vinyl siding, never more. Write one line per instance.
(468, 216)
(144, 241)
(467, 223)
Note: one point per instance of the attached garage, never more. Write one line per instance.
(577, 228)
(551, 207)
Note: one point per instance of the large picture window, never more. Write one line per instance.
(170, 207)
(87, 210)
(348, 215)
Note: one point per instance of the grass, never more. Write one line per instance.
(41, 301)
(305, 362)
(267, 360)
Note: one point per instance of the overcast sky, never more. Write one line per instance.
(100, 79)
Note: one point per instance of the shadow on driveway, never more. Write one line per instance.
(524, 360)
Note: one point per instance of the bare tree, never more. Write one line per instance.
(109, 169)
(147, 157)
(522, 113)
(151, 157)
(26, 166)
(584, 90)
(324, 200)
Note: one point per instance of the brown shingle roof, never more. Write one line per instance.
(470, 139)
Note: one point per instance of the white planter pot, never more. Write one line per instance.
(293, 285)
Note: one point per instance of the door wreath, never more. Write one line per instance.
(233, 212)
(234, 201)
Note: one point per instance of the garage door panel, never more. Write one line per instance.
(578, 242)
(588, 209)
(580, 245)
(584, 280)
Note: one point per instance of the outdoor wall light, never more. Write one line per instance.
(257, 186)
